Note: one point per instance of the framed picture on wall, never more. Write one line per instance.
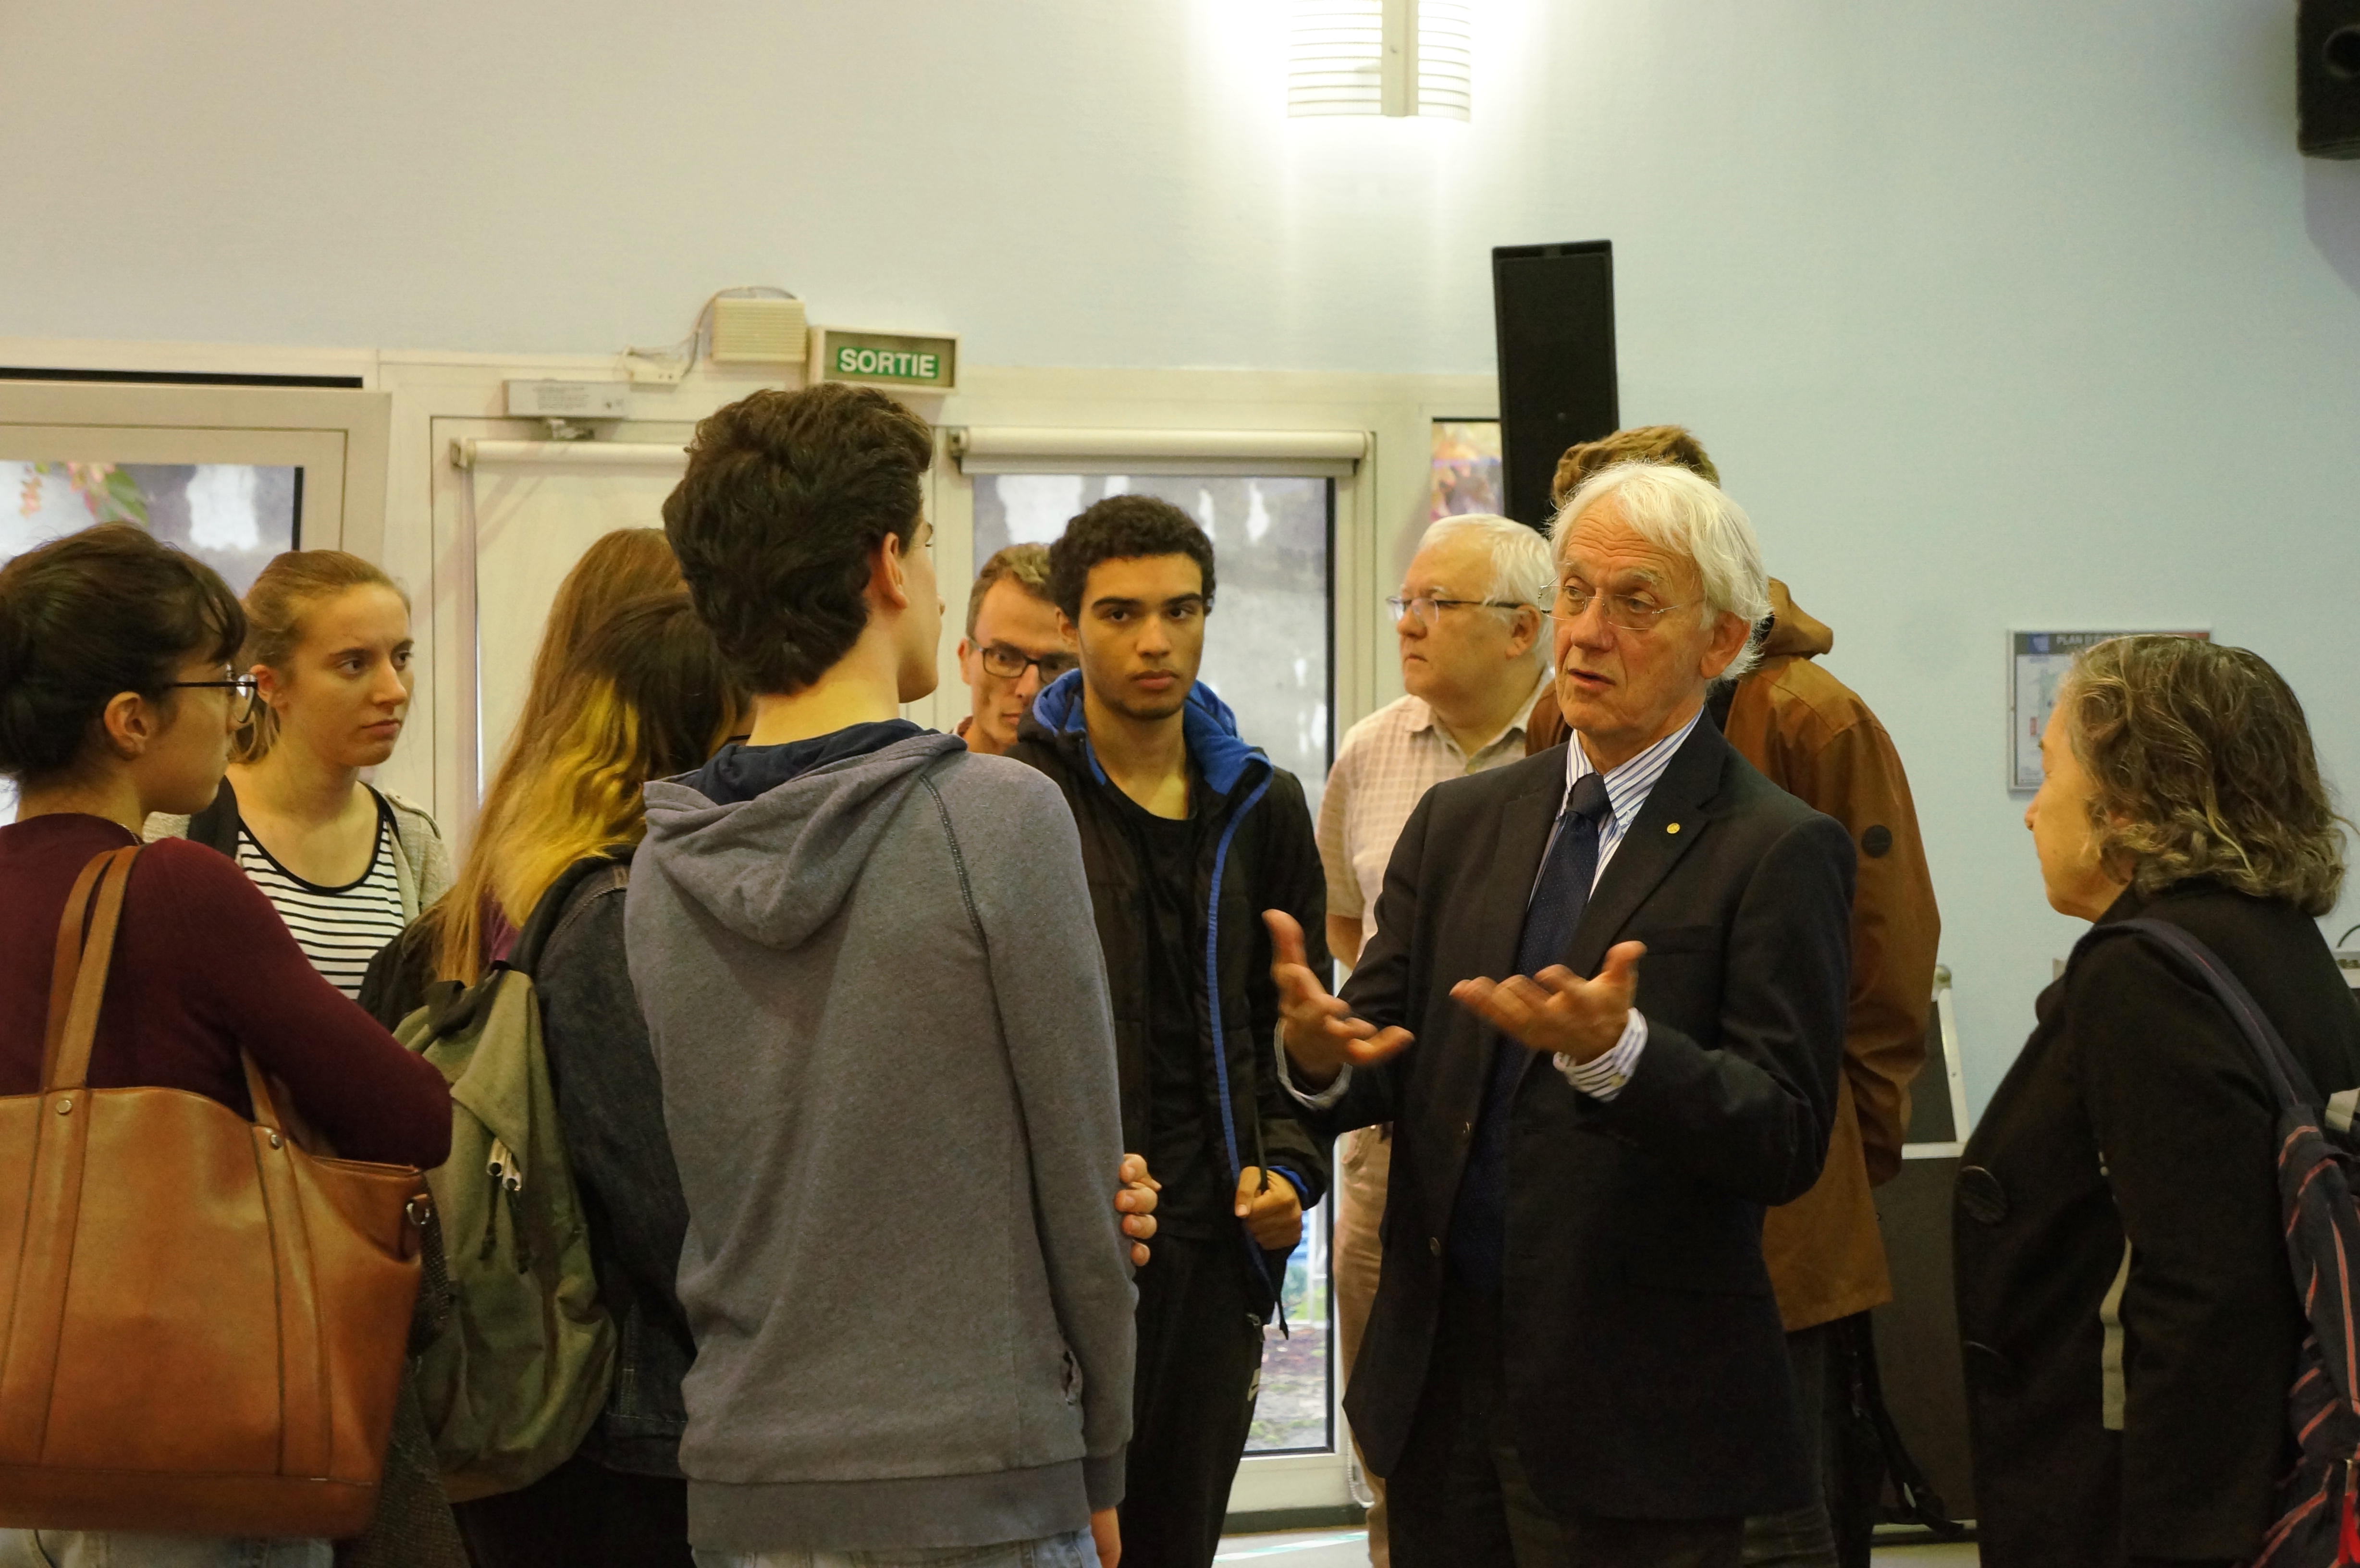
(1466, 476)
(2037, 662)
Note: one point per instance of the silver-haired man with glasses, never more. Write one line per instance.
(1473, 636)
(1603, 1009)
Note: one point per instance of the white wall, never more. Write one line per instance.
(2022, 312)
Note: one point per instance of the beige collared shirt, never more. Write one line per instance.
(1388, 761)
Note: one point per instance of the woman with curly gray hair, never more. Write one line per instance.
(2131, 1326)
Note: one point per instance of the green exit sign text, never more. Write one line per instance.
(890, 359)
(899, 363)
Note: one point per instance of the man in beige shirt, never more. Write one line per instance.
(1474, 654)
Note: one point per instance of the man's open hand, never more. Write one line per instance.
(1321, 1034)
(1273, 1213)
(1557, 1010)
(1136, 1204)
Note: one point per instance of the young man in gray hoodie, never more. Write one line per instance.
(875, 1001)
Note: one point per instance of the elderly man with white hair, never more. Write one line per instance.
(1603, 1009)
(1472, 621)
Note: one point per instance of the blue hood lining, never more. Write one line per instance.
(1210, 726)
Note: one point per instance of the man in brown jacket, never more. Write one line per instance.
(1814, 737)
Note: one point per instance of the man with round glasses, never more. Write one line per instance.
(1815, 737)
(1012, 646)
(1603, 1008)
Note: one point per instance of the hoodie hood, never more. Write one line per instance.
(1211, 728)
(770, 840)
(1795, 634)
(739, 773)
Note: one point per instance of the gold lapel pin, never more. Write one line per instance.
(1671, 827)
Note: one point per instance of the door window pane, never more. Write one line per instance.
(232, 516)
(1296, 1410)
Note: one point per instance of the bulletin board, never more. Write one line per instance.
(2038, 662)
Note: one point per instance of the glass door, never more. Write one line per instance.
(1270, 653)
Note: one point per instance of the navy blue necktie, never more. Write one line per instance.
(1478, 1221)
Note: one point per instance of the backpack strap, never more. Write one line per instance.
(2284, 1074)
(538, 926)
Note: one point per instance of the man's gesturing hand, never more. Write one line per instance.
(1321, 1034)
(1273, 1212)
(1557, 1010)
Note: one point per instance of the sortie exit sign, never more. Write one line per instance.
(885, 359)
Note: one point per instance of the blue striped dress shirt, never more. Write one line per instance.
(1628, 785)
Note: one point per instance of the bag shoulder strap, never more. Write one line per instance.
(2285, 1076)
(526, 955)
(79, 972)
(68, 962)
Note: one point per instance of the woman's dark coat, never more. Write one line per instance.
(2136, 1110)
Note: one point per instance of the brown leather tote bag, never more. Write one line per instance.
(204, 1325)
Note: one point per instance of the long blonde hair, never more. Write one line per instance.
(648, 696)
(620, 566)
(293, 581)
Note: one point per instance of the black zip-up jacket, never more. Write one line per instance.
(1259, 852)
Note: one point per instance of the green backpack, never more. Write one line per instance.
(514, 1381)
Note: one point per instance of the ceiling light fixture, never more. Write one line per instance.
(1395, 58)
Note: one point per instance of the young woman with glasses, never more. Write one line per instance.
(347, 866)
(117, 700)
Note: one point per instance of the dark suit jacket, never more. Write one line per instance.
(1646, 1372)
(2137, 1109)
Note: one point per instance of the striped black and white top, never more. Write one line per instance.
(339, 929)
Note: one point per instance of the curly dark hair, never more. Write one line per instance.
(86, 617)
(1123, 528)
(786, 496)
(2202, 767)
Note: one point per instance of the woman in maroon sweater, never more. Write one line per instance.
(116, 699)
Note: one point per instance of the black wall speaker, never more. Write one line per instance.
(1555, 307)
(2327, 78)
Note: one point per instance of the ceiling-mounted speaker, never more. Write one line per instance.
(2327, 78)
(1555, 307)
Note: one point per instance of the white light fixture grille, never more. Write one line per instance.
(1446, 58)
(1338, 58)
(1395, 58)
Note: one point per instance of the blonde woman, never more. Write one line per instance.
(643, 696)
(346, 865)
(620, 566)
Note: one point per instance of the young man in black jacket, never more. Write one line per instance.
(1187, 833)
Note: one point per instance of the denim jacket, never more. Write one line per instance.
(610, 1104)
